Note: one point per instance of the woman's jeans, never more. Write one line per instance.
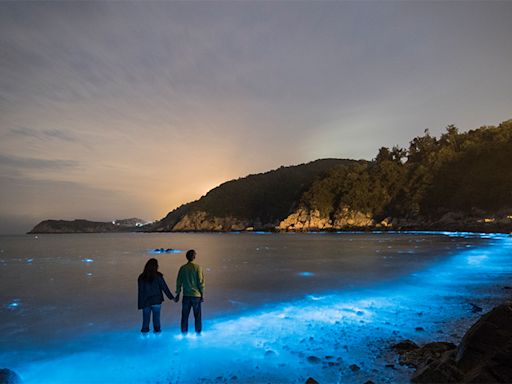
(146, 315)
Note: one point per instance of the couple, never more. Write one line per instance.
(152, 284)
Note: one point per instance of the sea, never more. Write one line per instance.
(279, 307)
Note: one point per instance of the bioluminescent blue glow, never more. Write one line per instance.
(318, 335)
(87, 261)
(168, 250)
(15, 304)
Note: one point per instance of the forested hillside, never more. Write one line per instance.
(459, 180)
(256, 200)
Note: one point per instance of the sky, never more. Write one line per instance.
(111, 110)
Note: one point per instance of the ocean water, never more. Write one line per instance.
(278, 307)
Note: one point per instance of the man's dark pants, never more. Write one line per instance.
(194, 303)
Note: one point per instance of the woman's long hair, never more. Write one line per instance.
(150, 270)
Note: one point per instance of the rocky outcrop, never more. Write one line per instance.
(346, 218)
(8, 376)
(483, 356)
(485, 352)
(308, 220)
(201, 221)
(304, 220)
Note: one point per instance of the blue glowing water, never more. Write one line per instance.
(279, 308)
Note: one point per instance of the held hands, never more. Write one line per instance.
(177, 299)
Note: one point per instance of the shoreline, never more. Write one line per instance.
(403, 230)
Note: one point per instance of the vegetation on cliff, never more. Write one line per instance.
(459, 172)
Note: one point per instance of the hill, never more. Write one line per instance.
(459, 181)
(256, 201)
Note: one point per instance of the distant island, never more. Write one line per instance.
(461, 181)
(86, 226)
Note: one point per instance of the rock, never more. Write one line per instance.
(487, 347)
(387, 222)
(314, 359)
(346, 218)
(8, 376)
(369, 382)
(419, 329)
(475, 308)
(310, 380)
(420, 356)
(441, 370)
(304, 219)
(483, 356)
(354, 367)
(270, 353)
(405, 346)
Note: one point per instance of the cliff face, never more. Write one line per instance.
(308, 220)
(200, 221)
(347, 219)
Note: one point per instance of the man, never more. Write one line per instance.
(190, 277)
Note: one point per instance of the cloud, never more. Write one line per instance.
(46, 134)
(164, 99)
(30, 163)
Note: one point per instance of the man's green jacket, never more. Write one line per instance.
(191, 278)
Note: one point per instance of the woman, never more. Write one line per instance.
(151, 284)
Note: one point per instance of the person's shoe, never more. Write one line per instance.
(157, 330)
(144, 330)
